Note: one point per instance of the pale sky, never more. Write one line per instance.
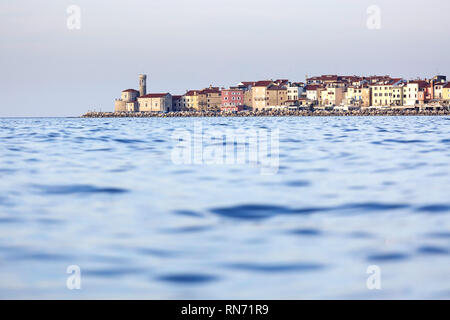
(49, 70)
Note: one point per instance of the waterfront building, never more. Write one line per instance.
(128, 97)
(366, 96)
(189, 100)
(332, 95)
(246, 87)
(155, 102)
(294, 90)
(259, 94)
(177, 103)
(446, 92)
(324, 91)
(248, 98)
(232, 97)
(397, 94)
(425, 94)
(359, 95)
(209, 99)
(132, 106)
(276, 95)
(312, 93)
(388, 92)
(410, 93)
(437, 90)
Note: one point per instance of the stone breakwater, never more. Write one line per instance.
(270, 113)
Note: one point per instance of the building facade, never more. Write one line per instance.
(411, 94)
(294, 91)
(260, 99)
(189, 101)
(209, 99)
(332, 96)
(312, 93)
(155, 102)
(232, 97)
(128, 98)
(276, 95)
(177, 103)
(446, 92)
(387, 93)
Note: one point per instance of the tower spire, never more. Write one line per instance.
(142, 85)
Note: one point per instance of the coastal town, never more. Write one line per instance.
(326, 94)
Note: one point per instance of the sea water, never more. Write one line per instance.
(351, 198)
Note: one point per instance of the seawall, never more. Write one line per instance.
(271, 113)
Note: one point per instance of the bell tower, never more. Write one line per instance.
(142, 85)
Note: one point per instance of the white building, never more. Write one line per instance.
(294, 91)
(411, 94)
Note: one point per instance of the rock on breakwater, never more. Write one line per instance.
(271, 113)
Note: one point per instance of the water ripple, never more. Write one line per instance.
(188, 278)
(73, 189)
(276, 268)
(112, 272)
(258, 211)
(387, 257)
(434, 208)
(432, 250)
(306, 232)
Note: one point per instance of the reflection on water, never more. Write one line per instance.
(104, 194)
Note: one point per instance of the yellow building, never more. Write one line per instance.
(353, 96)
(446, 92)
(260, 99)
(387, 93)
(358, 96)
(189, 101)
(397, 95)
(132, 106)
(155, 102)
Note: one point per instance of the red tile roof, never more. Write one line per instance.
(276, 88)
(282, 81)
(154, 95)
(421, 83)
(130, 90)
(332, 77)
(263, 83)
(191, 93)
(210, 90)
(311, 87)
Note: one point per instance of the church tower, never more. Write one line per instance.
(142, 85)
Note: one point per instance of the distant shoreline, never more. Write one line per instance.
(270, 113)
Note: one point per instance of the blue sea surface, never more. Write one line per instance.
(106, 195)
